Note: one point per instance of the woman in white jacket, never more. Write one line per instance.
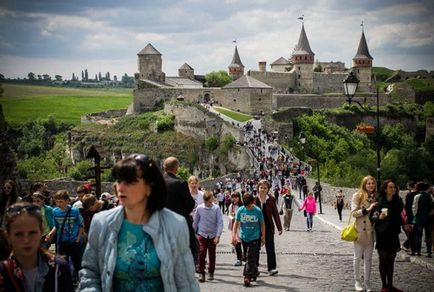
(362, 203)
(138, 246)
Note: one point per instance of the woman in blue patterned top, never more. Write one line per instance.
(138, 246)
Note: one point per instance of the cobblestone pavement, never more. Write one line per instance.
(310, 261)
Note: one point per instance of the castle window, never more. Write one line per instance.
(235, 100)
(261, 92)
(299, 76)
(260, 98)
(238, 110)
(298, 68)
(238, 90)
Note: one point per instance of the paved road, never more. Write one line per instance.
(316, 261)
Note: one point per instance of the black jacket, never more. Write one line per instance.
(179, 199)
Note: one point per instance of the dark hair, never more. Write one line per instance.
(37, 186)
(247, 199)
(383, 189)
(13, 195)
(138, 166)
(264, 182)
(23, 207)
(237, 195)
(88, 201)
(422, 186)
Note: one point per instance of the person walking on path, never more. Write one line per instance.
(387, 218)
(139, 245)
(179, 200)
(340, 203)
(249, 227)
(196, 194)
(410, 231)
(208, 223)
(286, 209)
(362, 203)
(422, 205)
(268, 206)
(233, 208)
(309, 206)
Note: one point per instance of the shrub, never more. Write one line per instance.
(80, 170)
(226, 144)
(212, 143)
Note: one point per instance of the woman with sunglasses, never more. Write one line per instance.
(8, 196)
(30, 268)
(140, 245)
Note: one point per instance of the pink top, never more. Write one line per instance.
(309, 205)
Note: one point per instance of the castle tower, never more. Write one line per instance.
(185, 71)
(150, 64)
(303, 58)
(236, 68)
(362, 64)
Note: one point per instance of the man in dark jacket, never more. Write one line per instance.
(422, 205)
(179, 199)
(409, 227)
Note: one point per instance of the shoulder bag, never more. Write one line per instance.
(349, 233)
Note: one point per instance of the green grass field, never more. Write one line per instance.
(233, 115)
(23, 103)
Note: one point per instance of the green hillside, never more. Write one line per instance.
(22, 103)
(382, 73)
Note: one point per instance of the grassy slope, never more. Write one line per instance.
(233, 115)
(26, 102)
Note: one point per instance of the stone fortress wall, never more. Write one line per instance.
(283, 82)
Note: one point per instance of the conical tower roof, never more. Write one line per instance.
(363, 51)
(236, 61)
(303, 47)
(149, 50)
(186, 66)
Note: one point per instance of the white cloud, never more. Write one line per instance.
(150, 37)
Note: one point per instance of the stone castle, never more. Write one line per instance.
(256, 91)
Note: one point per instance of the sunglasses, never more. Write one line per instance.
(17, 210)
(141, 158)
(8, 188)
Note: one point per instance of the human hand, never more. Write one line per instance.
(382, 216)
(280, 232)
(216, 240)
(371, 207)
(262, 240)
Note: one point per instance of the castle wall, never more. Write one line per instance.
(319, 102)
(328, 82)
(149, 98)
(247, 100)
(195, 121)
(364, 74)
(281, 82)
(150, 67)
(304, 77)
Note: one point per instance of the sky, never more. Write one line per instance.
(62, 37)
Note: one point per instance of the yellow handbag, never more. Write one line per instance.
(349, 233)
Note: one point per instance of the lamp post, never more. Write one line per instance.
(302, 139)
(315, 161)
(350, 85)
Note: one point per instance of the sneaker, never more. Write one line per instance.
(255, 277)
(384, 289)
(238, 263)
(358, 286)
(247, 281)
(395, 289)
(202, 278)
(210, 276)
(429, 255)
(272, 272)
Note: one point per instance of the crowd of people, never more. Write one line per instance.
(125, 241)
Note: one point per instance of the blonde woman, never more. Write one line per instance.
(362, 203)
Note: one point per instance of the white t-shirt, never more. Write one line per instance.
(78, 205)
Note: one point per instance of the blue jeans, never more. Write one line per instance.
(309, 220)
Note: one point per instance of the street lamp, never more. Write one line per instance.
(302, 139)
(319, 188)
(350, 86)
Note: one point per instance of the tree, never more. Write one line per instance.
(82, 75)
(86, 76)
(115, 78)
(39, 77)
(107, 76)
(99, 76)
(46, 77)
(73, 76)
(217, 79)
(2, 77)
(96, 77)
(58, 77)
(31, 76)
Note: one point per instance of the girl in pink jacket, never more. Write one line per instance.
(309, 205)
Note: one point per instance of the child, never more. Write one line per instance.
(208, 223)
(68, 226)
(47, 215)
(250, 222)
(30, 268)
(233, 208)
(309, 205)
